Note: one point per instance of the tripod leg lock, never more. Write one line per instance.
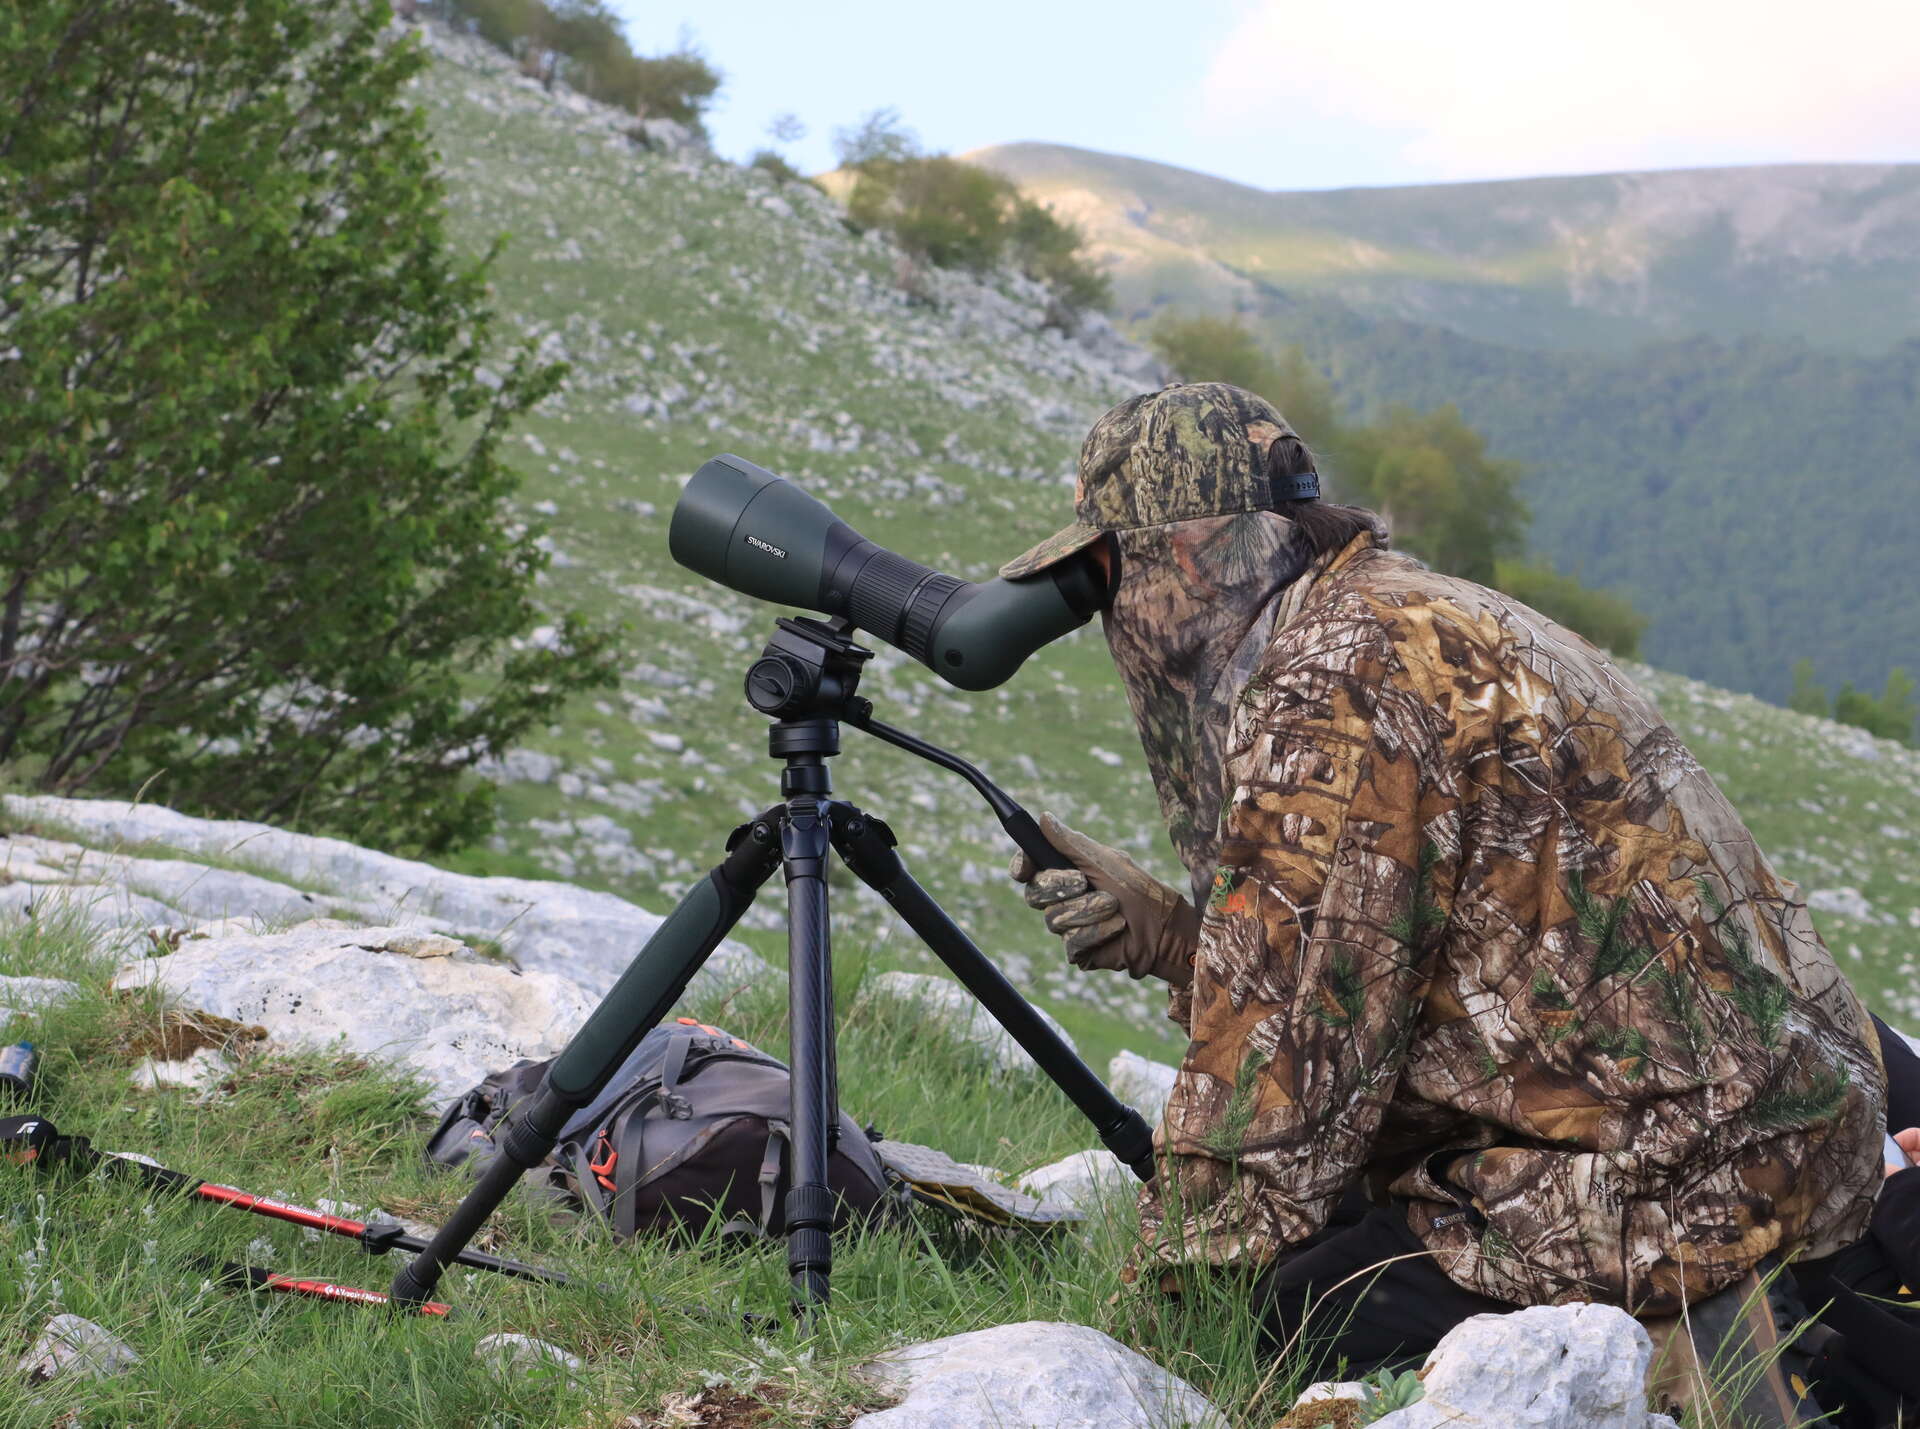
(809, 1214)
(530, 1135)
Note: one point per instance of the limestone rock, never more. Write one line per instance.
(1546, 1367)
(453, 1021)
(1035, 1375)
(543, 926)
(421, 945)
(1082, 1181)
(523, 1355)
(1142, 1084)
(20, 995)
(949, 1003)
(204, 1069)
(76, 1348)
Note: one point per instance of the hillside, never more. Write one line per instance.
(1690, 365)
(1606, 262)
(706, 311)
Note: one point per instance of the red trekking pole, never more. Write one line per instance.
(34, 1141)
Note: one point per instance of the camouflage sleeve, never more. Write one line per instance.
(1313, 956)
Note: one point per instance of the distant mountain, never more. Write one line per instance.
(1828, 252)
(1713, 376)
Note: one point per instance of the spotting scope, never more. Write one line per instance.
(759, 534)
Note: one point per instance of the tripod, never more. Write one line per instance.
(807, 679)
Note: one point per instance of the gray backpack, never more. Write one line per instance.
(691, 1128)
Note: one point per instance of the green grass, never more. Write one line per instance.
(649, 1320)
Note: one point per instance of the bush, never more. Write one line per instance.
(1891, 716)
(243, 551)
(586, 40)
(957, 215)
(775, 166)
(1204, 349)
(1809, 696)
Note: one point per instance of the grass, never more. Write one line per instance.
(650, 1321)
(656, 1324)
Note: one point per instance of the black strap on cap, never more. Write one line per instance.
(1300, 486)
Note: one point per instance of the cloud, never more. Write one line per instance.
(1480, 88)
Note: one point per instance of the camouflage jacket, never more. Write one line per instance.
(1484, 933)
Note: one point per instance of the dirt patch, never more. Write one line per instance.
(1323, 1414)
(178, 1034)
(765, 1405)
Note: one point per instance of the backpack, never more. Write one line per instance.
(693, 1126)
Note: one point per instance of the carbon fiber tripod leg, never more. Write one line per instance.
(650, 986)
(809, 1201)
(867, 846)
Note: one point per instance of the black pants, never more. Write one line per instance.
(1390, 1317)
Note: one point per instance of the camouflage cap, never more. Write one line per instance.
(1183, 452)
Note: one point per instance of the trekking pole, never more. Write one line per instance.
(33, 1140)
(254, 1277)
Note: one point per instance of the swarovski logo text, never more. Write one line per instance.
(767, 546)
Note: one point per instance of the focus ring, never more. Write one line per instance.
(916, 631)
(881, 591)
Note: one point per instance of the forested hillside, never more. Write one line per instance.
(1710, 375)
(1755, 498)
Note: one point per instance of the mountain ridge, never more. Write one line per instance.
(1830, 252)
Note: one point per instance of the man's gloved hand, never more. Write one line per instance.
(1110, 911)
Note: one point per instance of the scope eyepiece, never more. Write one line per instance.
(754, 532)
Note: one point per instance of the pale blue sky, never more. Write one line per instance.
(1324, 93)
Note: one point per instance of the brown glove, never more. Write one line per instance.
(1110, 911)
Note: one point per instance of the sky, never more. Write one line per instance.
(1289, 94)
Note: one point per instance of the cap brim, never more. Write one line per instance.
(1054, 549)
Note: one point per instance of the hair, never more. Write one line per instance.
(1325, 525)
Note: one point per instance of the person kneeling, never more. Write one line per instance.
(1493, 1001)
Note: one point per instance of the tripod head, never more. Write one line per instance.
(809, 670)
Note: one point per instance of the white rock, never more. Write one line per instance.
(954, 1006)
(452, 1021)
(585, 936)
(78, 1348)
(205, 1068)
(422, 945)
(1332, 1389)
(524, 1355)
(30, 994)
(1142, 1083)
(1546, 1367)
(1082, 1181)
(1848, 903)
(1035, 1375)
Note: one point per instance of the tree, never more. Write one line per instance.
(1891, 716)
(1207, 349)
(255, 545)
(1429, 475)
(1809, 696)
(953, 214)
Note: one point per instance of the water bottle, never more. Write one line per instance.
(16, 1069)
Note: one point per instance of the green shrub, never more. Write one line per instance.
(593, 55)
(775, 166)
(957, 215)
(1809, 696)
(257, 543)
(1891, 716)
